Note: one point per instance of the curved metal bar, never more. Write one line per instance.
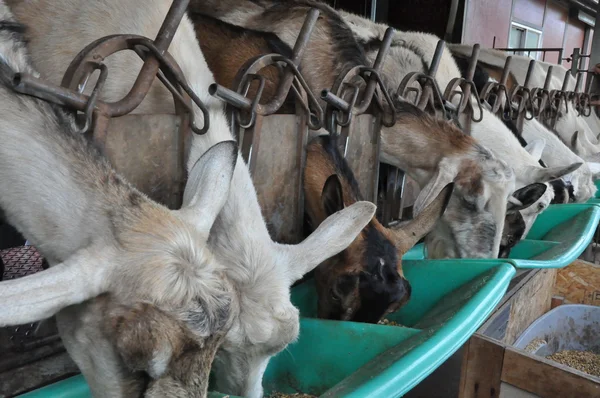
(521, 97)
(468, 89)
(100, 49)
(498, 90)
(429, 90)
(252, 67)
(336, 103)
(82, 67)
(540, 96)
(91, 104)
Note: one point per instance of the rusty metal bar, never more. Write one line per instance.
(427, 94)
(559, 50)
(335, 101)
(150, 68)
(290, 74)
(83, 66)
(384, 49)
(30, 85)
(428, 91)
(499, 91)
(297, 53)
(468, 89)
(230, 96)
(337, 104)
(521, 95)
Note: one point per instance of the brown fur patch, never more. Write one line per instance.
(226, 51)
(496, 74)
(469, 177)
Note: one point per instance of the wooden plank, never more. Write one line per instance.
(147, 150)
(362, 151)
(278, 176)
(502, 310)
(532, 301)
(546, 378)
(481, 368)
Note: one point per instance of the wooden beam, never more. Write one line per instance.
(527, 300)
(481, 368)
(532, 301)
(546, 378)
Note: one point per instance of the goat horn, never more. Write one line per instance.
(514, 201)
(410, 233)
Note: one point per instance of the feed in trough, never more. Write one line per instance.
(585, 361)
(386, 321)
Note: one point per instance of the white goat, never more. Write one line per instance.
(102, 235)
(414, 51)
(568, 121)
(555, 153)
(261, 270)
(432, 152)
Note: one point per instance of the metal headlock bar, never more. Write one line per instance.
(168, 182)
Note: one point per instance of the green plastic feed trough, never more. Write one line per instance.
(449, 301)
(559, 235)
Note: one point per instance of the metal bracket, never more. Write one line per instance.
(498, 92)
(427, 93)
(468, 89)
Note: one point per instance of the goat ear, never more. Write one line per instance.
(546, 174)
(332, 196)
(443, 176)
(411, 232)
(334, 234)
(208, 185)
(43, 294)
(535, 148)
(527, 196)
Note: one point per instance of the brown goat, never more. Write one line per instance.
(365, 281)
(227, 48)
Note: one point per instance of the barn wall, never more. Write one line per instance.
(529, 12)
(555, 23)
(486, 20)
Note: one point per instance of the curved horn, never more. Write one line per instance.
(408, 234)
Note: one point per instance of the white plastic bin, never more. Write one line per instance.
(566, 327)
